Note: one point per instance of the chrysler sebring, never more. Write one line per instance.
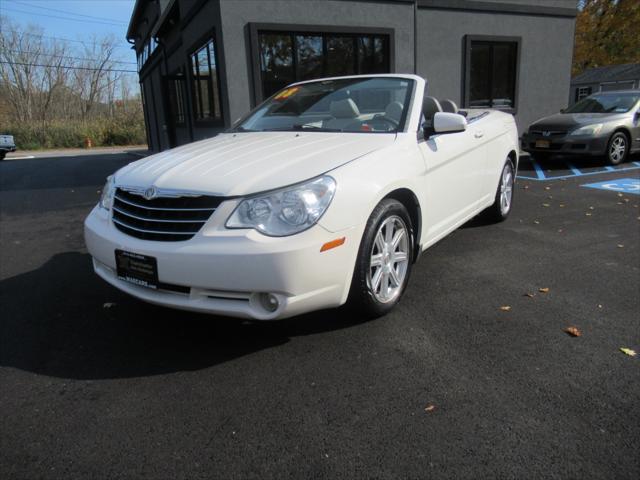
(324, 194)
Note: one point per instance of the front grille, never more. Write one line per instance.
(165, 219)
(549, 133)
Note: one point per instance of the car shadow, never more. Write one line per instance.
(61, 320)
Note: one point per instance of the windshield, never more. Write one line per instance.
(610, 103)
(363, 105)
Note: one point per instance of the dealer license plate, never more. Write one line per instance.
(138, 269)
(543, 143)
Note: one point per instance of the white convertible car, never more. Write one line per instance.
(324, 194)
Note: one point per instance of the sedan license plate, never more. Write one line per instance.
(543, 143)
(138, 269)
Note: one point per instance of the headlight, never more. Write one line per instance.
(287, 211)
(109, 189)
(588, 130)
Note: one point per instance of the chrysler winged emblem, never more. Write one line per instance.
(546, 133)
(150, 193)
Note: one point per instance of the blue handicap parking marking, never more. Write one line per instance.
(621, 185)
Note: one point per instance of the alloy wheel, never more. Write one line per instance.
(389, 259)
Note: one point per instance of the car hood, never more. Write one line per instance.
(569, 121)
(242, 163)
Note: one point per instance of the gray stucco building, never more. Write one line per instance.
(204, 63)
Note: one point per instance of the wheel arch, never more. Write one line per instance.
(410, 201)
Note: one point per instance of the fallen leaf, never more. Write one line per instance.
(591, 208)
(560, 230)
(430, 408)
(108, 305)
(620, 245)
(546, 205)
(573, 331)
(530, 295)
(599, 306)
(562, 205)
(588, 214)
(620, 203)
(544, 290)
(626, 200)
(628, 351)
(547, 188)
(537, 222)
(526, 187)
(620, 195)
(505, 308)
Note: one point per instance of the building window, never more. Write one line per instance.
(491, 72)
(582, 92)
(287, 57)
(206, 84)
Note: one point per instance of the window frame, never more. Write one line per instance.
(309, 30)
(191, 88)
(469, 39)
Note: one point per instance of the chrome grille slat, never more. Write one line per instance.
(120, 222)
(158, 208)
(151, 219)
(162, 218)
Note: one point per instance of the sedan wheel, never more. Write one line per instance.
(389, 260)
(618, 147)
(384, 260)
(503, 201)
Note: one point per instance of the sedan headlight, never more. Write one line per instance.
(109, 189)
(588, 130)
(287, 211)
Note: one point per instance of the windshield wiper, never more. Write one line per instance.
(297, 128)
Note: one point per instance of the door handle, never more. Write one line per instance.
(478, 134)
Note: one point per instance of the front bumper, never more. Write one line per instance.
(8, 148)
(565, 144)
(222, 271)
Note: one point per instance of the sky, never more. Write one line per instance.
(76, 20)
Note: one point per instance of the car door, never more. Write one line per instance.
(454, 180)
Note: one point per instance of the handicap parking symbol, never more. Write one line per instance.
(621, 185)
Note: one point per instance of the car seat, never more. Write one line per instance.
(343, 112)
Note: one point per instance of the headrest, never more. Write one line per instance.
(394, 111)
(449, 106)
(346, 108)
(430, 106)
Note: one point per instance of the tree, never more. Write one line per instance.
(607, 33)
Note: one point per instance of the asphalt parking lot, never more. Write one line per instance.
(449, 385)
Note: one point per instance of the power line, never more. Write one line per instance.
(70, 67)
(61, 38)
(69, 13)
(62, 18)
(65, 56)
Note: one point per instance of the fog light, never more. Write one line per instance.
(269, 302)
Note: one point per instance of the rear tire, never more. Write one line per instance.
(617, 148)
(499, 211)
(384, 260)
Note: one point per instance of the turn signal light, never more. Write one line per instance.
(332, 244)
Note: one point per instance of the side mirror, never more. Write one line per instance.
(444, 122)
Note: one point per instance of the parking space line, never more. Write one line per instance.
(539, 171)
(575, 171)
(543, 178)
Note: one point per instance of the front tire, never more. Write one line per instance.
(499, 211)
(617, 148)
(2, 154)
(384, 260)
